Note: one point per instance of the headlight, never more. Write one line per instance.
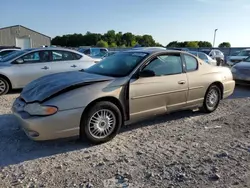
(233, 70)
(39, 110)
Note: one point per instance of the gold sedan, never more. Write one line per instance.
(122, 88)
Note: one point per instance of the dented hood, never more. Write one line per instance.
(48, 86)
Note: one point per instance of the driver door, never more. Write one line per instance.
(163, 92)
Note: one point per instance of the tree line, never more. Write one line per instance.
(114, 39)
(196, 44)
(110, 39)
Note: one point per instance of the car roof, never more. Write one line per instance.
(152, 50)
(50, 48)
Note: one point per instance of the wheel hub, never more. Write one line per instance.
(2, 86)
(102, 123)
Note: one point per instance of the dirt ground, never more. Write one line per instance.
(184, 149)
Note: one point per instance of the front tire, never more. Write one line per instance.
(4, 86)
(212, 99)
(101, 123)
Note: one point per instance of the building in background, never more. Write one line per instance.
(22, 37)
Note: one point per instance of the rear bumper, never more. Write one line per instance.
(63, 124)
(229, 87)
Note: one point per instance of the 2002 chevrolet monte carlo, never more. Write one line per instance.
(130, 85)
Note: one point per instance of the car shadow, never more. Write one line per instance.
(16, 147)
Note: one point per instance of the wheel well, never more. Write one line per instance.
(220, 86)
(109, 99)
(7, 79)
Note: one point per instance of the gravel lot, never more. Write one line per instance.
(184, 149)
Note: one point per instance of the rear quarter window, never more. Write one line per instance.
(191, 63)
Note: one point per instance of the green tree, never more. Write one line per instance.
(173, 44)
(192, 44)
(113, 45)
(128, 38)
(225, 45)
(102, 43)
(133, 43)
(203, 44)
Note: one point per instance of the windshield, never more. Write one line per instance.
(244, 53)
(247, 59)
(118, 65)
(13, 55)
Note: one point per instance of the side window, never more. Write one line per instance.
(202, 56)
(165, 65)
(37, 57)
(58, 55)
(191, 63)
(217, 52)
(77, 56)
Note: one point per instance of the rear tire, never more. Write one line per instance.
(101, 123)
(212, 99)
(4, 86)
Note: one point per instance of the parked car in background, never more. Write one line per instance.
(241, 72)
(204, 57)
(241, 56)
(216, 55)
(97, 53)
(93, 51)
(23, 66)
(123, 88)
(6, 50)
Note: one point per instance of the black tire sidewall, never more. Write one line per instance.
(205, 106)
(7, 86)
(98, 106)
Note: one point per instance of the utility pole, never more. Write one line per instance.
(214, 36)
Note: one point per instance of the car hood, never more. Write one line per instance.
(237, 57)
(243, 65)
(48, 86)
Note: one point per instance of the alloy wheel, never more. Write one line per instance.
(102, 123)
(3, 87)
(212, 98)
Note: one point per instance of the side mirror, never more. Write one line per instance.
(19, 61)
(146, 73)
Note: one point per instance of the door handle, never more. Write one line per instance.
(45, 68)
(182, 82)
(74, 66)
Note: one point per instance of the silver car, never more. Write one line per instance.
(241, 72)
(23, 66)
(241, 56)
(204, 57)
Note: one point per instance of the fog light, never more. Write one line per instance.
(33, 133)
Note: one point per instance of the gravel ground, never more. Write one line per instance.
(184, 149)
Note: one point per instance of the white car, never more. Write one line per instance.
(242, 55)
(21, 67)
